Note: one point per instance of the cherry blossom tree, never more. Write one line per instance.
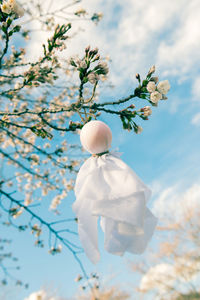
(44, 104)
(174, 269)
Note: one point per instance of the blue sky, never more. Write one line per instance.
(136, 34)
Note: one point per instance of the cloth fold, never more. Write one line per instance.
(107, 188)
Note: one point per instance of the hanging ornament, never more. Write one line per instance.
(108, 189)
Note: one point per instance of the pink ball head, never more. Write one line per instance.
(96, 137)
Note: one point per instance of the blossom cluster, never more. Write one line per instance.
(12, 7)
(157, 90)
(86, 72)
(146, 111)
(55, 250)
(149, 89)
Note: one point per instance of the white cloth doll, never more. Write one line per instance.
(107, 188)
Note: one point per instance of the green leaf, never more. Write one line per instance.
(9, 22)
(4, 29)
(44, 48)
(10, 33)
(143, 96)
(16, 28)
(144, 83)
(137, 92)
(72, 62)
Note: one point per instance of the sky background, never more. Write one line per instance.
(135, 35)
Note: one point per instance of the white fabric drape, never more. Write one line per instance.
(106, 187)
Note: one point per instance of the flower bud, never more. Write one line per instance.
(146, 111)
(102, 68)
(132, 106)
(72, 62)
(154, 79)
(82, 64)
(152, 70)
(92, 53)
(87, 49)
(78, 278)
(137, 76)
(93, 77)
(97, 57)
(95, 51)
(138, 129)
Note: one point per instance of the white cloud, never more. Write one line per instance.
(196, 119)
(196, 89)
(139, 33)
(174, 201)
(136, 35)
(156, 31)
(146, 19)
(179, 52)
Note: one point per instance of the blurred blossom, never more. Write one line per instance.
(164, 97)
(57, 200)
(154, 79)
(146, 111)
(18, 213)
(152, 70)
(80, 12)
(163, 87)
(12, 6)
(104, 67)
(93, 77)
(139, 129)
(82, 64)
(78, 278)
(5, 7)
(28, 200)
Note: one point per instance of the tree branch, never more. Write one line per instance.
(49, 226)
